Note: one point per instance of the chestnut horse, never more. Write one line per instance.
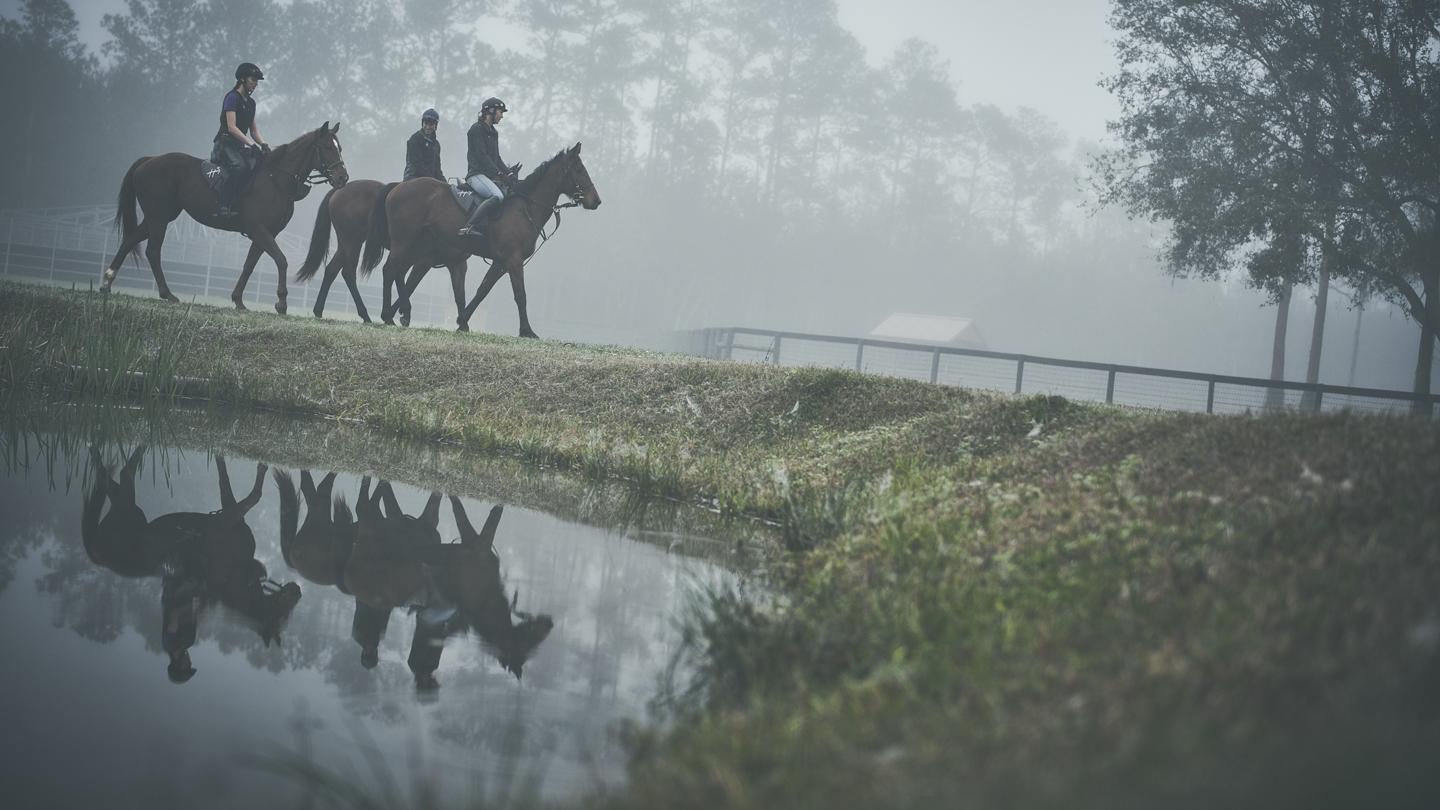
(348, 211)
(173, 182)
(421, 219)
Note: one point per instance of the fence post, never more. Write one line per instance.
(1210, 398)
(1019, 373)
(859, 353)
(935, 367)
(1110, 388)
(775, 355)
(730, 345)
(9, 240)
(54, 243)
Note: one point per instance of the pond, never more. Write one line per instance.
(183, 624)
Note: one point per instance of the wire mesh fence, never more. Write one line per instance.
(1133, 386)
(71, 246)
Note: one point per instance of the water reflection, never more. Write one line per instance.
(202, 558)
(386, 559)
(484, 634)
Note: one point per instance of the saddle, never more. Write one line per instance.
(215, 176)
(467, 199)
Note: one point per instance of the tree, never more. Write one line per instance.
(1248, 121)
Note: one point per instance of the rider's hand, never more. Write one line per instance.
(264, 147)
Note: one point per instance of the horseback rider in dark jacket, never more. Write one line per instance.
(422, 151)
(238, 143)
(486, 172)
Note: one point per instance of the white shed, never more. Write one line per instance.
(904, 326)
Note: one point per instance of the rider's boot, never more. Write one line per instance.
(472, 227)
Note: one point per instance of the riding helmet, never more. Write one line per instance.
(248, 70)
(493, 103)
(430, 115)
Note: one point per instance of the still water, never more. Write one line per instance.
(180, 627)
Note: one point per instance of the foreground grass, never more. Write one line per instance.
(1003, 601)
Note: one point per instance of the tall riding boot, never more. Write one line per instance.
(481, 212)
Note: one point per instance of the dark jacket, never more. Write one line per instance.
(483, 155)
(422, 157)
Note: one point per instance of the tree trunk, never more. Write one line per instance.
(1429, 325)
(1275, 397)
(1311, 400)
(1355, 344)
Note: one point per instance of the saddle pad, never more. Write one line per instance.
(214, 176)
(464, 197)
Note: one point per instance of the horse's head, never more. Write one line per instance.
(576, 184)
(327, 160)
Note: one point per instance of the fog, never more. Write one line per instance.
(805, 166)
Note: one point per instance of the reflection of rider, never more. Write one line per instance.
(238, 143)
(181, 596)
(486, 169)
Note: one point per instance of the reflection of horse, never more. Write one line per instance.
(202, 557)
(171, 183)
(383, 571)
(320, 548)
(348, 210)
(468, 574)
(420, 219)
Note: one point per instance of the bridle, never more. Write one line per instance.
(313, 176)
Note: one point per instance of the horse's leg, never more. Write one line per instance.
(517, 283)
(238, 296)
(417, 273)
(331, 271)
(326, 485)
(457, 283)
(349, 272)
(227, 495)
(256, 491)
(152, 254)
(491, 276)
(127, 475)
(395, 265)
(140, 234)
(431, 516)
(262, 237)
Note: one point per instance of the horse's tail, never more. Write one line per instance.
(125, 217)
(289, 513)
(378, 237)
(319, 241)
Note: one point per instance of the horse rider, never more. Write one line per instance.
(238, 143)
(422, 151)
(486, 170)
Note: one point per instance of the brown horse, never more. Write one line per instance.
(421, 219)
(173, 182)
(347, 210)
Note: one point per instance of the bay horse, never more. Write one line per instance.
(347, 209)
(421, 219)
(173, 182)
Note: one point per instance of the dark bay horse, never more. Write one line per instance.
(421, 218)
(347, 209)
(171, 183)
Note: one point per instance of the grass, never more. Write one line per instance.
(1121, 609)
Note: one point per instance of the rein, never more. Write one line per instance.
(313, 177)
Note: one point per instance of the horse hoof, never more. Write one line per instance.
(240, 305)
(317, 314)
(170, 297)
(529, 335)
(405, 319)
(280, 307)
(387, 322)
(464, 327)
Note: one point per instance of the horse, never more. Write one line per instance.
(318, 549)
(201, 557)
(421, 220)
(173, 182)
(347, 209)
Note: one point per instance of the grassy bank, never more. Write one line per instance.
(1001, 601)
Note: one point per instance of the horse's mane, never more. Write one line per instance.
(532, 180)
(279, 153)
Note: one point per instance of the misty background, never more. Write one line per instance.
(802, 165)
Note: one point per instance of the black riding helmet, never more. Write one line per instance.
(249, 70)
(493, 103)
